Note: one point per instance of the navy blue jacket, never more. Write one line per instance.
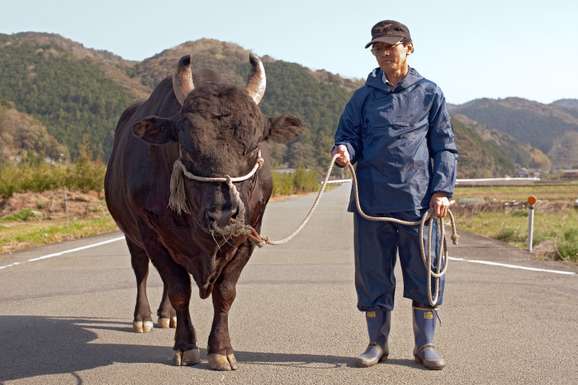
(402, 142)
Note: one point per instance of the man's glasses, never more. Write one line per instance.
(378, 50)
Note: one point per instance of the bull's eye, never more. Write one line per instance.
(224, 115)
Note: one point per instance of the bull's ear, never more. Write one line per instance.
(283, 128)
(155, 130)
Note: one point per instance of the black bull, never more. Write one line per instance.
(214, 130)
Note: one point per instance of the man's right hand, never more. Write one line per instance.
(343, 157)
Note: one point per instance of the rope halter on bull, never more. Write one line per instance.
(182, 86)
(178, 197)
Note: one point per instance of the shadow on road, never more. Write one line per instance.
(35, 346)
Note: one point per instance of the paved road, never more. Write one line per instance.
(67, 319)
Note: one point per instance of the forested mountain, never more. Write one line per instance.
(23, 137)
(553, 128)
(568, 105)
(487, 153)
(79, 93)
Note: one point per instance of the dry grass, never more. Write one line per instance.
(21, 235)
(549, 192)
(500, 212)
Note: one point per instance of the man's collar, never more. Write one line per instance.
(410, 78)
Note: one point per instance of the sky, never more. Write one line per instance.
(471, 49)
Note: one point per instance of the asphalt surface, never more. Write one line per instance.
(67, 319)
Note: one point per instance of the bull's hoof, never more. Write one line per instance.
(232, 361)
(188, 357)
(165, 322)
(142, 326)
(222, 362)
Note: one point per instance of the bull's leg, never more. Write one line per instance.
(166, 312)
(179, 293)
(221, 355)
(142, 322)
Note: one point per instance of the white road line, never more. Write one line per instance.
(506, 265)
(509, 266)
(64, 252)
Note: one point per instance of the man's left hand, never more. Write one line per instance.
(440, 204)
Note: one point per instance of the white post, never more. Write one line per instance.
(531, 204)
(530, 227)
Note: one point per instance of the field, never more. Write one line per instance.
(500, 212)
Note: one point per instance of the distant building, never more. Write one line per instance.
(528, 173)
(569, 174)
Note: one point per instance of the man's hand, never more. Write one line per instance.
(343, 157)
(440, 204)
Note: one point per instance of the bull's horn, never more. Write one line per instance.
(257, 80)
(183, 79)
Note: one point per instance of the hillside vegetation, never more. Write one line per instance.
(23, 137)
(72, 96)
(551, 128)
(78, 94)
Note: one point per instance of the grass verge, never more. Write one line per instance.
(21, 235)
(555, 233)
(30, 227)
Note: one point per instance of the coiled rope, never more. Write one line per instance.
(436, 272)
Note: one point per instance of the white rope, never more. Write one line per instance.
(224, 179)
(178, 197)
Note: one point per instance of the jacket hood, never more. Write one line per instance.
(375, 79)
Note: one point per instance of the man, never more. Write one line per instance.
(397, 130)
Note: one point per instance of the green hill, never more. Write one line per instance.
(24, 137)
(567, 105)
(79, 93)
(545, 126)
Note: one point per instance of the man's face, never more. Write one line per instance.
(391, 57)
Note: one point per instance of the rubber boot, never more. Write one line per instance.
(424, 324)
(378, 326)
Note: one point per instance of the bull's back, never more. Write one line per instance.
(135, 168)
(115, 187)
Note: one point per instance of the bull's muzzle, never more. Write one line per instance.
(219, 218)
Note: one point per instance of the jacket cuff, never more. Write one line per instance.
(448, 194)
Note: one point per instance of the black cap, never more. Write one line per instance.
(390, 32)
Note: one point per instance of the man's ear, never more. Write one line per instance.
(155, 130)
(283, 128)
(409, 47)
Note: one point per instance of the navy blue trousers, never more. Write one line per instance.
(377, 245)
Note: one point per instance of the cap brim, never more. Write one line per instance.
(385, 39)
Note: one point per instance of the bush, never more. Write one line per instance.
(568, 245)
(506, 234)
(20, 216)
(300, 181)
(84, 175)
(305, 180)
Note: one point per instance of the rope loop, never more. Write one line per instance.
(435, 269)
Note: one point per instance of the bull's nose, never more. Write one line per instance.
(219, 217)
